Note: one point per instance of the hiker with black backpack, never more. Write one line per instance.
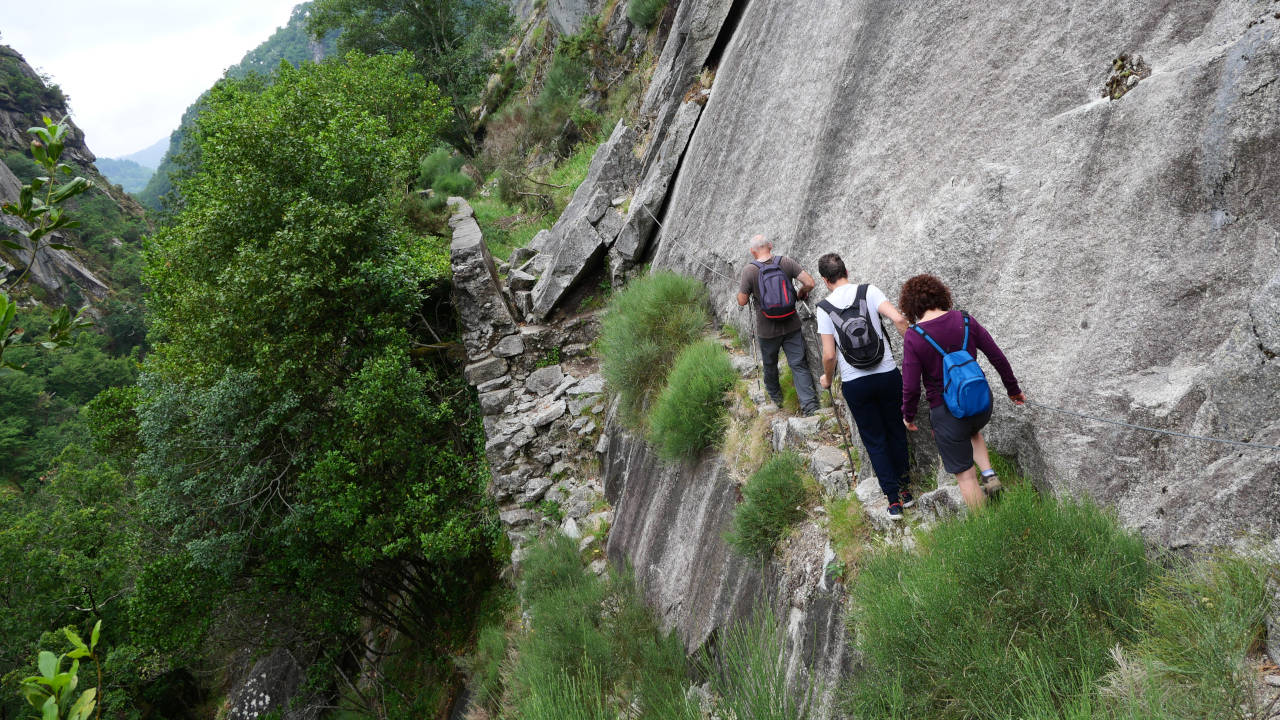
(768, 279)
(941, 350)
(850, 322)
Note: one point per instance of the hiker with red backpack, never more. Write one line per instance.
(769, 279)
(850, 322)
(941, 350)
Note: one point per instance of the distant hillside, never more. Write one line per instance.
(149, 157)
(290, 43)
(126, 173)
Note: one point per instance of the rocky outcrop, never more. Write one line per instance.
(589, 224)
(15, 117)
(269, 687)
(1122, 252)
(669, 525)
(53, 270)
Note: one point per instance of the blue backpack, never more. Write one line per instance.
(964, 385)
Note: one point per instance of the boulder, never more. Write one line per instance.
(642, 217)
(544, 380)
(575, 245)
(477, 293)
(942, 504)
(509, 346)
(493, 403)
(485, 370)
(546, 412)
(590, 385)
(519, 280)
(270, 685)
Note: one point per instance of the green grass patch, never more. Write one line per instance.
(849, 533)
(453, 184)
(747, 675)
(593, 645)
(1006, 469)
(506, 228)
(644, 328)
(772, 501)
(1014, 607)
(1199, 622)
(690, 413)
(644, 13)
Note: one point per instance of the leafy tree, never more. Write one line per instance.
(453, 42)
(292, 440)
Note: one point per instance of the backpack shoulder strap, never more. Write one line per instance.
(862, 294)
(928, 339)
(828, 307)
(965, 344)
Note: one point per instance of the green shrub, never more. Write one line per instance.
(748, 675)
(644, 13)
(771, 503)
(689, 415)
(590, 638)
(439, 163)
(454, 184)
(644, 328)
(1020, 604)
(1200, 621)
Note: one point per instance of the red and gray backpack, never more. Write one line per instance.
(773, 288)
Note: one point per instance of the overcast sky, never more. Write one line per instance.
(130, 67)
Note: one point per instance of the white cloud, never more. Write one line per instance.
(131, 67)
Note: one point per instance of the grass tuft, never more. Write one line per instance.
(690, 413)
(645, 326)
(772, 501)
(644, 13)
(1200, 621)
(1019, 604)
(747, 673)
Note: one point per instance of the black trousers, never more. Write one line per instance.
(875, 401)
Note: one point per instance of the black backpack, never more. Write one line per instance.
(859, 343)
(773, 287)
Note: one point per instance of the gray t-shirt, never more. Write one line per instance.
(768, 327)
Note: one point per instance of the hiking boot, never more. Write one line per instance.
(990, 483)
(809, 412)
(895, 511)
(907, 498)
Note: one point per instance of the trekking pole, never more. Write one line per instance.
(755, 347)
(848, 439)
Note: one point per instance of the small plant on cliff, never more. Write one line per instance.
(689, 415)
(1013, 608)
(644, 13)
(39, 205)
(644, 328)
(772, 501)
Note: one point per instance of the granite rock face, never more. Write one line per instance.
(1125, 254)
(54, 270)
(486, 317)
(578, 241)
(669, 524)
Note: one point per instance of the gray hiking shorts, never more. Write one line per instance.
(953, 435)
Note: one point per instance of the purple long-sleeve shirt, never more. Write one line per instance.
(919, 358)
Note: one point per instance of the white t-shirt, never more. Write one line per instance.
(842, 297)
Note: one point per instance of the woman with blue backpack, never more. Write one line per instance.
(940, 349)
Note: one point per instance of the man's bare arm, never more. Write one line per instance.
(806, 284)
(743, 298)
(888, 310)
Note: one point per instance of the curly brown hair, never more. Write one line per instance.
(921, 294)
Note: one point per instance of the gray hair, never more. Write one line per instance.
(758, 242)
